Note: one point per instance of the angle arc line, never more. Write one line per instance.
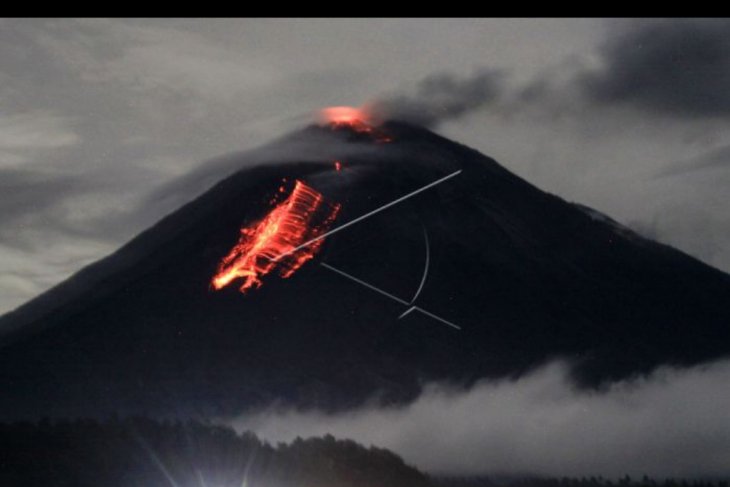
(425, 267)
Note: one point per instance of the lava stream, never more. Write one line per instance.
(302, 216)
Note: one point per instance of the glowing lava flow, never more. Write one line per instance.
(302, 216)
(356, 119)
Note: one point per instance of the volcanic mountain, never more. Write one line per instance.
(506, 276)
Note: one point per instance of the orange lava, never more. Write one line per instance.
(302, 216)
(356, 119)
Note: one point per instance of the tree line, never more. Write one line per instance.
(142, 452)
(150, 453)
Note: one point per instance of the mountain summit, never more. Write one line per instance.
(478, 275)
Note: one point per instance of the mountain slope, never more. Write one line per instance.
(527, 276)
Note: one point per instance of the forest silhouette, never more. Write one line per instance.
(142, 452)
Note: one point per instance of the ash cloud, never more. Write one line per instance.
(715, 159)
(672, 423)
(673, 66)
(441, 97)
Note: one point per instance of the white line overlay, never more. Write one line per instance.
(366, 215)
(394, 298)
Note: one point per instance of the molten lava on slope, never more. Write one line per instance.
(272, 243)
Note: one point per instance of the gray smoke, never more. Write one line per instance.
(441, 97)
(674, 66)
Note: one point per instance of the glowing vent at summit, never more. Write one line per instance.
(355, 119)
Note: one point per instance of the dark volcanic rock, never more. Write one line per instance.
(527, 276)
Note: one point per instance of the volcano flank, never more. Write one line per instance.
(526, 276)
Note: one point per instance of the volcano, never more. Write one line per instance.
(524, 276)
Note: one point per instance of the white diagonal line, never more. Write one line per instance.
(370, 286)
(446, 322)
(366, 215)
(394, 298)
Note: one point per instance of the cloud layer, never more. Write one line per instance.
(673, 423)
(674, 66)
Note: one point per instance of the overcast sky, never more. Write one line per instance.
(629, 117)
